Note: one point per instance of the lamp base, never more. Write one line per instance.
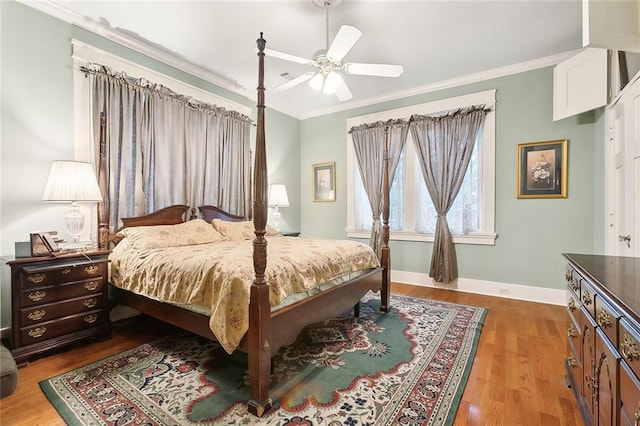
(276, 218)
(75, 223)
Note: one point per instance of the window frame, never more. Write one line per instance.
(486, 234)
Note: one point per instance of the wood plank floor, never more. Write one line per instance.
(517, 376)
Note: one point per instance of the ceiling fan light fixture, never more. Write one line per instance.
(317, 82)
(331, 83)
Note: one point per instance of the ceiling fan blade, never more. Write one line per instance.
(342, 91)
(294, 82)
(344, 41)
(379, 70)
(287, 57)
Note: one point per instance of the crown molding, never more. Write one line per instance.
(447, 84)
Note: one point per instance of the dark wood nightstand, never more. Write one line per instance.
(289, 234)
(57, 301)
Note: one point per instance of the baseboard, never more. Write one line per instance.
(487, 288)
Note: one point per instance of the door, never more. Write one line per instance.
(623, 173)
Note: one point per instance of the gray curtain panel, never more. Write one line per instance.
(164, 148)
(368, 143)
(444, 144)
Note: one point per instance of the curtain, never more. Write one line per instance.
(164, 148)
(444, 144)
(368, 142)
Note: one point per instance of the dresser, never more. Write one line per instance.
(603, 337)
(57, 301)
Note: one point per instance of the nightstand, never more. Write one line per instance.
(289, 234)
(57, 301)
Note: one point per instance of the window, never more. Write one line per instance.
(412, 215)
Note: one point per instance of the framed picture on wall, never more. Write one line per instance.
(324, 182)
(542, 169)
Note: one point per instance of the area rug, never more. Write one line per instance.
(407, 367)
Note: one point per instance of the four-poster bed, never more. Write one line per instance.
(268, 329)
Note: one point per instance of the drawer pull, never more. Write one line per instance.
(90, 303)
(37, 332)
(572, 304)
(637, 416)
(36, 278)
(567, 275)
(586, 298)
(91, 285)
(591, 383)
(65, 271)
(574, 284)
(37, 296)
(571, 361)
(91, 318)
(91, 269)
(37, 315)
(572, 332)
(629, 349)
(604, 319)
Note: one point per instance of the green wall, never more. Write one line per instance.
(532, 233)
(36, 120)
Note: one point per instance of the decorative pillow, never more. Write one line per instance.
(196, 231)
(236, 231)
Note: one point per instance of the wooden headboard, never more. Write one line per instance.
(212, 212)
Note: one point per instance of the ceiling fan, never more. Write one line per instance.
(327, 62)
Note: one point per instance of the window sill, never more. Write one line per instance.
(476, 238)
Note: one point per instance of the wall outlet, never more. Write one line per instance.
(503, 290)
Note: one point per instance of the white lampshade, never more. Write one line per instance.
(278, 196)
(72, 181)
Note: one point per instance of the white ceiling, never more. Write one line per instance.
(435, 41)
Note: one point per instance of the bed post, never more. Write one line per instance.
(259, 334)
(384, 252)
(103, 207)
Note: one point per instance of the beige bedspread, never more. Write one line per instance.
(218, 275)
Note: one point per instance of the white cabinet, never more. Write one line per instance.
(580, 83)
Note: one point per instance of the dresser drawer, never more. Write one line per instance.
(629, 345)
(55, 328)
(629, 396)
(50, 294)
(51, 311)
(573, 281)
(607, 318)
(41, 276)
(588, 297)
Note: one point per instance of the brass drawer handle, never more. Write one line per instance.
(572, 332)
(90, 303)
(91, 285)
(37, 315)
(92, 269)
(65, 271)
(572, 304)
(37, 332)
(629, 349)
(571, 361)
(567, 275)
(91, 318)
(604, 320)
(574, 285)
(37, 296)
(586, 298)
(36, 278)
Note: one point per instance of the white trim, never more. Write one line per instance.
(486, 235)
(487, 288)
(447, 84)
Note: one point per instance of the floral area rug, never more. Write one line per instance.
(407, 367)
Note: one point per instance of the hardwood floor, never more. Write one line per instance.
(517, 376)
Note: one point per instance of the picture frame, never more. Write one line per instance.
(542, 169)
(43, 244)
(324, 182)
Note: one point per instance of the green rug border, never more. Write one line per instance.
(69, 416)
